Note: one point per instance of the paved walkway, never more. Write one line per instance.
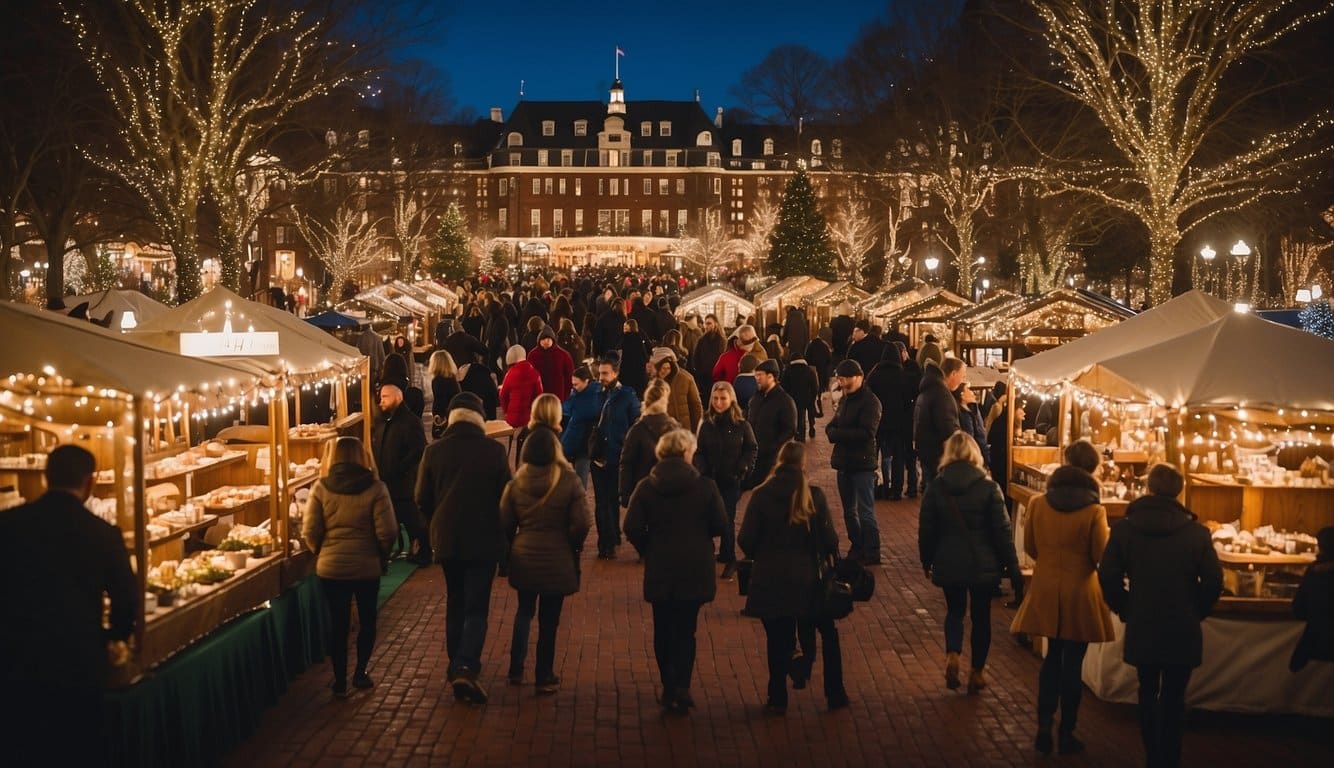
(606, 714)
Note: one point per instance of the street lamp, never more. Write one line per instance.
(1240, 249)
(931, 262)
(1303, 295)
(1207, 254)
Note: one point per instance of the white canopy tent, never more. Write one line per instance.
(122, 305)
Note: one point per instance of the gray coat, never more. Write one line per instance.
(349, 524)
(545, 515)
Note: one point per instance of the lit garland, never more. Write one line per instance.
(1150, 72)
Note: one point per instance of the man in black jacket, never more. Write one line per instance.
(801, 382)
(866, 348)
(54, 652)
(398, 440)
(609, 329)
(773, 416)
(796, 332)
(852, 431)
(894, 437)
(936, 414)
(463, 475)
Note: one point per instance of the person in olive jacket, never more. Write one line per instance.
(966, 544)
(350, 526)
(641, 441)
(397, 442)
(726, 455)
(786, 531)
(674, 516)
(463, 475)
(1175, 581)
(852, 431)
(545, 515)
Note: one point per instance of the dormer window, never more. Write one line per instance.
(665, 128)
(646, 128)
(704, 139)
(363, 137)
(548, 127)
(816, 148)
(458, 148)
(736, 147)
(768, 147)
(515, 139)
(836, 147)
(580, 127)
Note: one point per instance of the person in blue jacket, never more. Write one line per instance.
(580, 413)
(618, 408)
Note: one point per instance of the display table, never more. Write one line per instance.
(1245, 669)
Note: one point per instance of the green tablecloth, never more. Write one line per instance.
(209, 698)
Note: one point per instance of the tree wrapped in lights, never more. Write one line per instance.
(451, 257)
(346, 245)
(799, 244)
(1318, 318)
(1152, 72)
(763, 219)
(896, 213)
(853, 233)
(706, 244)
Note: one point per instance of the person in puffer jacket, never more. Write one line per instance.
(350, 526)
(637, 457)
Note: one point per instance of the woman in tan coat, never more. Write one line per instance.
(350, 525)
(1066, 534)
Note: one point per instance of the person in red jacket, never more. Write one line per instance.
(520, 388)
(553, 363)
(744, 342)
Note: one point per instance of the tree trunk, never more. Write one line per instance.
(55, 269)
(231, 247)
(184, 244)
(1163, 238)
(964, 261)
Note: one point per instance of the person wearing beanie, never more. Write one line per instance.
(1175, 581)
(802, 383)
(866, 348)
(397, 441)
(462, 478)
(684, 404)
(522, 384)
(772, 414)
(545, 517)
(930, 352)
(852, 430)
(745, 341)
(553, 364)
(744, 383)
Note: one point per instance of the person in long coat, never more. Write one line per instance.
(545, 516)
(796, 331)
(639, 452)
(674, 516)
(787, 529)
(1175, 580)
(704, 355)
(726, 455)
(966, 544)
(634, 357)
(1066, 534)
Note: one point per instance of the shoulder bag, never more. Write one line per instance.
(597, 438)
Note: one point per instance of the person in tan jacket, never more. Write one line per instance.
(684, 404)
(350, 526)
(1066, 534)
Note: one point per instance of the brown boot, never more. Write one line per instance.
(976, 680)
(952, 670)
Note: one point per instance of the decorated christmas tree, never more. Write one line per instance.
(1318, 318)
(799, 244)
(450, 258)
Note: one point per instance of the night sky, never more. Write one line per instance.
(564, 50)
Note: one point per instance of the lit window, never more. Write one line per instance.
(704, 139)
(768, 147)
(663, 186)
(547, 185)
(816, 149)
(646, 128)
(580, 127)
(680, 186)
(665, 128)
(648, 186)
(736, 147)
(541, 157)
(567, 157)
(548, 127)
(537, 186)
(515, 140)
(836, 147)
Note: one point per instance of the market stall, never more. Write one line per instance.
(977, 338)
(929, 314)
(127, 308)
(730, 308)
(772, 302)
(438, 295)
(890, 299)
(821, 306)
(1255, 451)
(1038, 323)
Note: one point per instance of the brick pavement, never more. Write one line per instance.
(606, 713)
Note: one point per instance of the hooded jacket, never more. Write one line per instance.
(544, 514)
(1066, 534)
(963, 533)
(674, 516)
(522, 385)
(1175, 580)
(555, 366)
(785, 577)
(935, 415)
(349, 524)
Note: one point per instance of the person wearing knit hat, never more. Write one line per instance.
(553, 364)
(852, 430)
(466, 401)
(684, 403)
(544, 515)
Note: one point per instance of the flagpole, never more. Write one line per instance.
(617, 56)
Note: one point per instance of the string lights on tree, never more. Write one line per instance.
(1151, 72)
(451, 258)
(853, 233)
(706, 244)
(346, 245)
(799, 244)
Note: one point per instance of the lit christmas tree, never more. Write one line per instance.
(1318, 318)
(799, 244)
(450, 257)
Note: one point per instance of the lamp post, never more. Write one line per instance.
(931, 262)
(1207, 255)
(1242, 252)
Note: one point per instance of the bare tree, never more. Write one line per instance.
(348, 244)
(763, 219)
(898, 210)
(1299, 261)
(791, 83)
(1152, 74)
(706, 244)
(853, 232)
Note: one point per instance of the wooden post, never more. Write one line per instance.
(366, 402)
(1064, 406)
(136, 433)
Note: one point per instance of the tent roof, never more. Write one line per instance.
(900, 294)
(391, 295)
(1237, 360)
(303, 348)
(90, 356)
(117, 301)
(333, 319)
(939, 304)
(801, 284)
(999, 302)
(836, 293)
(1168, 320)
(700, 294)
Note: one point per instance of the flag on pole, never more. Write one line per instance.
(619, 52)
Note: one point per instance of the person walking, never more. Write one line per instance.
(579, 414)
(674, 516)
(886, 382)
(965, 544)
(397, 443)
(553, 364)
(444, 385)
(787, 531)
(55, 652)
(852, 431)
(684, 404)
(618, 408)
(634, 356)
(745, 341)
(544, 515)
(350, 527)
(641, 441)
(1174, 583)
(796, 331)
(463, 475)
(706, 352)
(800, 381)
(936, 413)
(520, 387)
(1066, 535)
(772, 414)
(726, 455)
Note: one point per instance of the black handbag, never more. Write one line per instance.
(834, 594)
(858, 578)
(597, 438)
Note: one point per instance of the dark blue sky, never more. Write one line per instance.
(564, 50)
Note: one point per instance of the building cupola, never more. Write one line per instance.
(616, 106)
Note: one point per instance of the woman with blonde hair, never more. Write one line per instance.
(444, 385)
(545, 413)
(726, 455)
(638, 452)
(674, 516)
(787, 531)
(350, 526)
(965, 544)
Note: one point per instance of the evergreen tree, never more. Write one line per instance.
(104, 273)
(1318, 318)
(799, 244)
(450, 257)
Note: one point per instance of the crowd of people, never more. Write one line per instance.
(673, 422)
